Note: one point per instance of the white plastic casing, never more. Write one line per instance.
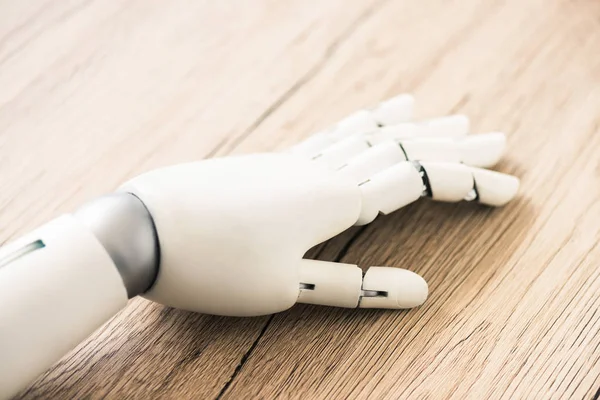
(392, 111)
(233, 230)
(314, 144)
(453, 182)
(337, 155)
(360, 122)
(52, 298)
(494, 188)
(335, 284)
(404, 288)
(439, 149)
(375, 159)
(452, 126)
(389, 191)
(483, 150)
(343, 285)
(395, 110)
(449, 181)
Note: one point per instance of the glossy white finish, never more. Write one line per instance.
(396, 110)
(483, 150)
(52, 298)
(454, 182)
(432, 149)
(403, 288)
(232, 231)
(495, 189)
(338, 154)
(313, 145)
(457, 125)
(449, 181)
(393, 111)
(360, 122)
(452, 126)
(343, 285)
(334, 284)
(372, 161)
(390, 190)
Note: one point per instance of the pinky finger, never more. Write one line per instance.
(389, 112)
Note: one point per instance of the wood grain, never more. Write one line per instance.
(94, 92)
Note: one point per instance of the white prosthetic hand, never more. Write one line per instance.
(227, 236)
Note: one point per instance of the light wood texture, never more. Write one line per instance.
(94, 92)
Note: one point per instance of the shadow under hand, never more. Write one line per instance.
(457, 248)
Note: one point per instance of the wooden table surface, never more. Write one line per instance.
(95, 92)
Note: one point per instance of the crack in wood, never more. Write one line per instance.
(305, 79)
(245, 358)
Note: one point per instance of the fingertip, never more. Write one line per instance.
(457, 125)
(412, 289)
(495, 188)
(402, 288)
(395, 110)
(483, 150)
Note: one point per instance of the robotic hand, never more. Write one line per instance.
(227, 236)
